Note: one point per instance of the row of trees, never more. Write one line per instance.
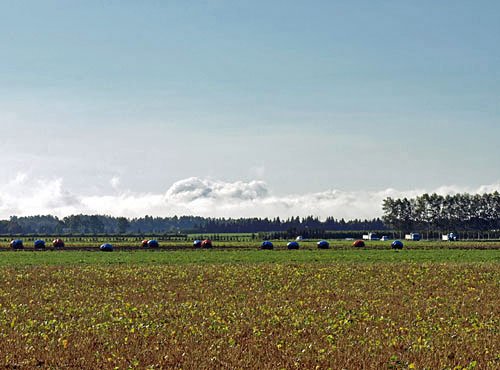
(99, 224)
(433, 213)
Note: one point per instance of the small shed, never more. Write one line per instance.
(451, 237)
(413, 236)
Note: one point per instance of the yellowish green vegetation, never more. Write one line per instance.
(307, 315)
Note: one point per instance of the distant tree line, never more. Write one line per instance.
(434, 214)
(429, 213)
(100, 224)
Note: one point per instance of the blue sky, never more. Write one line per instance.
(132, 97)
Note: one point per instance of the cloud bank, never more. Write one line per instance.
(24, 196)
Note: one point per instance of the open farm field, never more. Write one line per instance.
(245, 242)
(303, 310)
(245, 256)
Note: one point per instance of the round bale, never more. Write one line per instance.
(397, 244)
(144, 243)
(17, 244)
(39, 244)
(207, 243)
(292, 245)
(153, 243)
(197, 243)
(58, 243)
(266, 244)
(323, 244)
(358, 244)
(106, 247)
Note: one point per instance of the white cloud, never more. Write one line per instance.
(115, 182)
(257, 171)
(193, 189)
(25, 196)
(205, 197)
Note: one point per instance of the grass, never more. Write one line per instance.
(220, 256)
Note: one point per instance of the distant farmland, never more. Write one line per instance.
(236, 241)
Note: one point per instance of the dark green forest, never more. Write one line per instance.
(101, 224)
(434, 214)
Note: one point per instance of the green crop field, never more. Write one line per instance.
(246, 256)
(242, 241)
(241, 307)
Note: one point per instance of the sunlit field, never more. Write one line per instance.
(305, 309)
(241, 241)
(344, 315)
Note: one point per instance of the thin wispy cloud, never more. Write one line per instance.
(25, 196)
(115, 182)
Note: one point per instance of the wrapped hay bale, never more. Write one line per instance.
(58, 243)
(106, 247)
(323, 244)
(207, 243)
(266, 244)
(17, 244)
(292, 245)
(39, 244)
(397, 244)
(358, 244)
(153, 243)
